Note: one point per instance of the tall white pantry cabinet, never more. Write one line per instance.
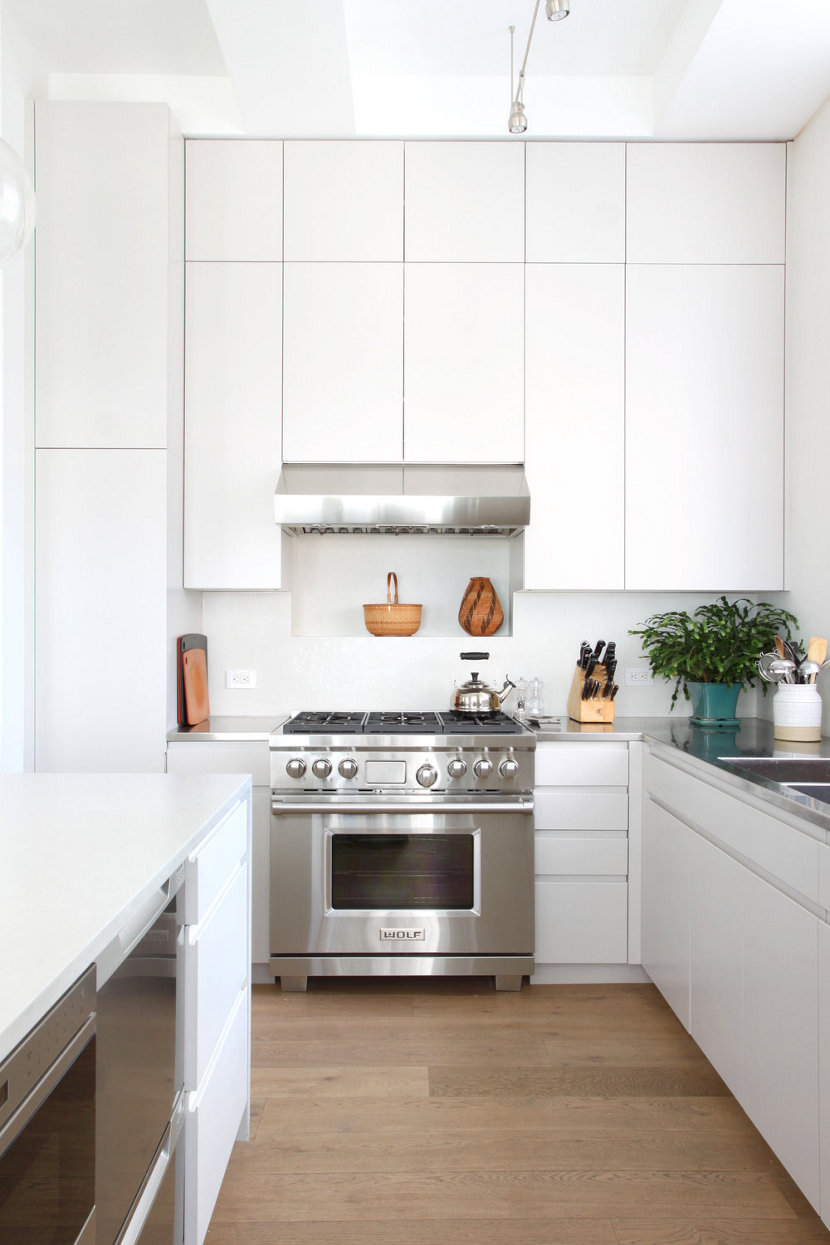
(108, 433)
(610, 314)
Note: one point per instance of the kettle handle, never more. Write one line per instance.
(475, 656)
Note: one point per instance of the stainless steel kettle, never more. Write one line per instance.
(474, 696)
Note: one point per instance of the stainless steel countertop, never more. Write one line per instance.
(228, 728)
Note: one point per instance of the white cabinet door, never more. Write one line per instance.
(232, 421)
(824, 1065)
(465, 201)
(102, 272)
(233, 199)
(344, 200)
(716, 959)
(581, 921)
(343, 362)
(212, 1121)
(780, 1028)
(704, 427)
(667, 865)
(575, 203)
(463, 352)
(261, 876)
(575, 425)
(706, 203)
(100, 578)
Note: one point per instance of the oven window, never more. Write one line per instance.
(391, 871)
(47, 1175)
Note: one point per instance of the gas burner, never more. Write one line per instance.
(455, 723)
(402, 724)
(313, 723)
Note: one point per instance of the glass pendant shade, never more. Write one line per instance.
(518, 121)
(555, 10)
(17, 204)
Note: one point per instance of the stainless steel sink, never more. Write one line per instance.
(818, 790)
(788, 770)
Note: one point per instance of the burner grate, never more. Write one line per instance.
(310, 723)
(402, 723)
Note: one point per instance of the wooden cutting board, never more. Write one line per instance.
(194, 685)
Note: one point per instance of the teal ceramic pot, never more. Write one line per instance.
(711, 742)
(714, 703)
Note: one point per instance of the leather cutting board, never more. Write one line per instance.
(194, 705)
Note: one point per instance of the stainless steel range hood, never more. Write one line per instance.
(399, 500)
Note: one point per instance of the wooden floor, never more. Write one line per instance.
(440, 1112)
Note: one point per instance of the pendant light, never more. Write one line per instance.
(17, 204)
(555, 10)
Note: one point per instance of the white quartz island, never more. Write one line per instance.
(80, 853)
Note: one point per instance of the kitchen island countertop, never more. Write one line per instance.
(81, 854)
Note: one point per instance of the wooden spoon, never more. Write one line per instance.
(779, 647)
(817, 649)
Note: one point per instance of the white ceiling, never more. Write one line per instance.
(441, 68)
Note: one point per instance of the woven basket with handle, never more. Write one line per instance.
(392, 618)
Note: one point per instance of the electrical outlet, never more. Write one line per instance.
(637, 677)
(240, 678)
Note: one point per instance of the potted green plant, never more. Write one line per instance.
(712, 653)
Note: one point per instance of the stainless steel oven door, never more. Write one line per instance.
(380, 883)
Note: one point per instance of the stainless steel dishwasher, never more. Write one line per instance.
(47, 1126)
(139, 1102)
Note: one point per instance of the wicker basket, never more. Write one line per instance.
(392, 618)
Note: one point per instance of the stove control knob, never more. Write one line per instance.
(295, 768)
(427, 775)
(347, 768)
(483, 768)
(509, 768)
(457, 768)
(321, 768)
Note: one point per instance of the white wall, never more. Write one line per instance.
(808, 381)
(253, 631)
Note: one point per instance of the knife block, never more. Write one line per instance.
(588, 710)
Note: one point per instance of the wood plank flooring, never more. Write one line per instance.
(395, 1112)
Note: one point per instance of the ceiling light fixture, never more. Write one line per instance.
(17, 204)
(554, 10)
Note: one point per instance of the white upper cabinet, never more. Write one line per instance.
(704, 427)
(233, 199)
(464, 382)
(575, 424)
(232, 424)
(706, 203)
(102, 274)
(465, 202)
(343, 362)
(344, 200)
(575, 203)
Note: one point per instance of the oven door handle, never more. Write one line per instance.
(367, 807)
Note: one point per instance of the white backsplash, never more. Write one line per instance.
(252, 631)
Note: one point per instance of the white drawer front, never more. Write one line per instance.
(220, 757)
(580, 810)
(576, 765)
(216, 969)
(598, 853)
(210, 866)
(211, 1124)
(785, 852)
(581, 922)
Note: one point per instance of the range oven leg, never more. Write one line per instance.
(298, 984)
(506, 981)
